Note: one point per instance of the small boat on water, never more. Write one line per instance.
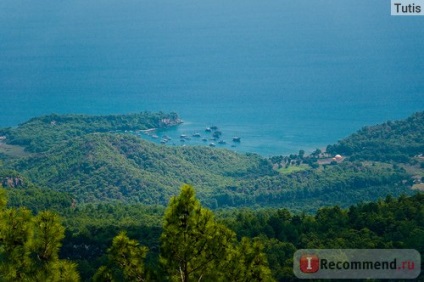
(204, 140)
(155, 136)
(217, 134)
(212, 145)
(196, 134)
(222, 142)
(183, 136)
(214, 127)
(208, 129)
(236, 139)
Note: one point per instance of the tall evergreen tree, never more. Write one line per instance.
(16, 233)
(125, 261)
(29, 247)
(194, 247)
(48, 234)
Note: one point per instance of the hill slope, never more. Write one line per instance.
(396, 141)
(102, 166)
(93, 162)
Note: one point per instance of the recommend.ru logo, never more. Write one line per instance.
(357, 264)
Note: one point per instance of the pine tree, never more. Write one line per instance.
(191, 242)
(245, 262)
(48, 234)
(194, 247)
(29, 247)
(16, 234)
(125, 261)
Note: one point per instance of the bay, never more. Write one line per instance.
(281, 75)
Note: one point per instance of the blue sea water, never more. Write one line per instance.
(282, 75)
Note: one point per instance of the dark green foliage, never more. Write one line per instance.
(101, 167)
(396, 141)
(344, 184)
(41, 133)
(112, 167)
(91, 228)
(23, 193)
(389, 223)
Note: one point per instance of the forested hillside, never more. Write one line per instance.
(110, 240)
(386, 224)
(103, 180)
(92, 159)
(105, 167)
(396, 141)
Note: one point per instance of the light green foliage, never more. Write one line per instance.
(292, 169)
(245, 262)
(125, 261)
(16, 234)
(192, 241)
(67, 271)
(194, 247)
(29, 247)
(255, 261)
(48, 236)
(3, 198)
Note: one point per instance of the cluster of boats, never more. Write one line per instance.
(212, 135)
(216, 135)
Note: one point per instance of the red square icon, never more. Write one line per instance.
(309, 263)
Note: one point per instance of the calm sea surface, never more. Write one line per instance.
(281, 75)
